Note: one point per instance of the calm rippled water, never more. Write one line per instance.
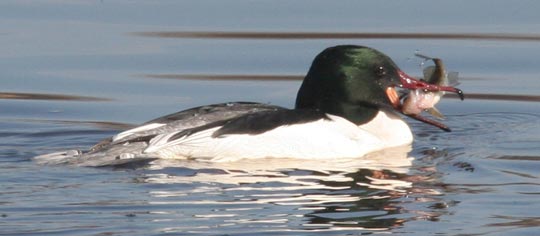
(74, 72)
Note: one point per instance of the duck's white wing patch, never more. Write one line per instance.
(324, 138)
(163, 145)
(136, 130)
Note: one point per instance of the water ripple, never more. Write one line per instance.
(337, 35)
(42, 96)
(357, 194)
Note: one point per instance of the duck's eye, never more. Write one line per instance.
(380, 71)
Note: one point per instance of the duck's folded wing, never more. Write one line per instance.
(191, 118)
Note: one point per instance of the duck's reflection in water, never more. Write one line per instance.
(376, 192)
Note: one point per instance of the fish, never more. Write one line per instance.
(419, 100)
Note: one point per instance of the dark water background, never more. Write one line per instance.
(74, 72)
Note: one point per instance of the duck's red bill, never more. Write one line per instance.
(410, 83)
(430, 121)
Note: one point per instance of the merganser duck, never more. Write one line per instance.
(347, 106)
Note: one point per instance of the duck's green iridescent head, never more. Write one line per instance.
(355, 82)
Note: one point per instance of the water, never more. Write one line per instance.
(74, 72)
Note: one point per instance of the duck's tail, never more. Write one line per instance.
(128, 155)
(57, 158)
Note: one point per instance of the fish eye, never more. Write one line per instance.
(380, 71)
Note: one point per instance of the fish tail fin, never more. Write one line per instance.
(453, 78)
(436, 113)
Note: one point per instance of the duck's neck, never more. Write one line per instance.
(358, 114)
(355, 113)
(322, 91)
